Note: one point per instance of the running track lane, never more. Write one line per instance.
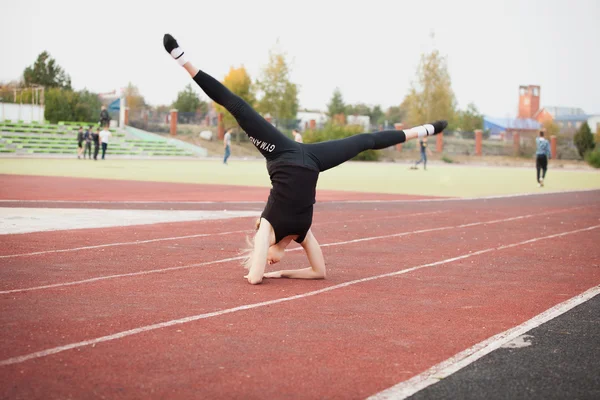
(335, 212)
(349, 342)
(117, 258)
(102, 251)
(31, 187)
(460, 235)
(62, 240)
(140, 299)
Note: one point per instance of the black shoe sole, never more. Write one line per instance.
(170, 43)
(439, 126)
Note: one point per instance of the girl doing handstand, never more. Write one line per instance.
(293, 169)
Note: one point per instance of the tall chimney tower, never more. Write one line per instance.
(529, 101)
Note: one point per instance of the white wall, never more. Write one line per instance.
(362, 120)
(322, 118)
(122, 112)
(305, 117)
(21, 112)
(594, 123)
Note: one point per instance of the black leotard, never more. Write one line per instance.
(293, 167)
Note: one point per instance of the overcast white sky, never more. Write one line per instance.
(370, 49)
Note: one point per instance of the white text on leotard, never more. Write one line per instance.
(262, 145)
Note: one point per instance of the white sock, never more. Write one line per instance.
(179, 55)
(422, 130)
(430, 129)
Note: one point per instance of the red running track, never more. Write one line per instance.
(29, 187)
(349, 342)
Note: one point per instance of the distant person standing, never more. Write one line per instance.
(424, 150)
(297, 136)
(104, 136)
(87, 137)
(542, 155)
(104, 117)
(79, 142)
(227, 145)
(96, 141)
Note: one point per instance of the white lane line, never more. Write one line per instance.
(464, 358)
(105, 277)
(130, 202)
(368, 219)
(135, 331)
(501, 196)
(35, 253)
(442, 228)
(366, 239)
(492, 197)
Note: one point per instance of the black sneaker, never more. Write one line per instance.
(439, 126)
(170, 43)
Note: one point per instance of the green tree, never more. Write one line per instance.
(431, 97)
(584, 140)
(238, 81)
(333, 131)
(188, 100)
(395, 114)
(470, 119)
(357, 109)
(377, 115)
(85, 106)
(336, 105)
(66, 105)
(279, 95)
(46, 72)
(58, 105)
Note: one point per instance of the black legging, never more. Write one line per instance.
(273, 144)
(87, 149)
(541, 164)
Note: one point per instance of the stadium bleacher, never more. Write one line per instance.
(46, 138)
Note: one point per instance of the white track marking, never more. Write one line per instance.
(240, 231)
(442, 228)
(27, 220)
(35, 253)
(367, 219)
(102, 278)
(472, 354)
(131, 202)
(493, 197)
(135, 331)
(366, 239)
(501, 196)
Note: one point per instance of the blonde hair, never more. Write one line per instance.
(248, 251)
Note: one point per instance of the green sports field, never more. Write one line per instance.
(438, 180)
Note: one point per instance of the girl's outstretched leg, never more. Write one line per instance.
(334, 152)
(267, 139)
